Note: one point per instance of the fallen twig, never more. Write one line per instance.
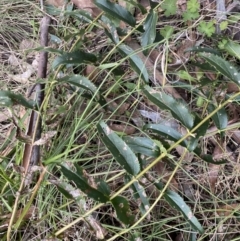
(31, 155)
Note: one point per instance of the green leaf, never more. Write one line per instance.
(48, 49)
(5, 143)
(51, 10)
(167, 31)
(82, 82)
(201, 131)
(69, 191)
(178, 109)
(111, 30)
(232, 48)
(5, 176)
(206, 67)
(79, 81)
(207, 28)
(55, 39)
(7, 99)
(188, 16)
(142, 145)
(64, 192)
(123, 211)
(185, 75)
(149, 26)
(193, 6)
(135, 62)
(220, 119)
(137, 5)
(82, 183)
(223, 25)
(200, 49)
(80, 14)
(222, 66)
(170, 7)
(166, 132)
(139, 195)
(103, 187)
(119, 149)
(222, 43)
(208, 158)
(76, 58)
(178, 203)
(108, 66)
(116, 11)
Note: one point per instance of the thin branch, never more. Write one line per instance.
(31, 154)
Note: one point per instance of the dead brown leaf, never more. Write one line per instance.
(4, 115)
(214, 169)
(226, 210)
(182, 5)
(56, 3)
(4, 225)
(91, 72)
(127, 129)
(160, 168)
(232, 88)
(46, 137)
(87, 5)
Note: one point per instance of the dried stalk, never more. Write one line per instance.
(31, 154)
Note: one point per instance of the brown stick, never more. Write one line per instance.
(32, 153)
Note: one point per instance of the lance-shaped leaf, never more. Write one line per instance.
(135, 62)
(116, 11)
(138, 5)
(222, 66)
(83, 184)
(178, 109)
(80, 14)
(201, 131)
(47, 49)
(166, 132)
(83, 82)
(140, 195)
(80, 81)
(77, 57)
(103, 187)
(119, 149)
(149, 26)
(208, 158)
(110, 29)
(204, 66)
(7, 99)
(178, 203)
(232, 48)
(143, 145)
(220, 118)
(200, 49)
(123, 211)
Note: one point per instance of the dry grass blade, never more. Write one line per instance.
(159, 77)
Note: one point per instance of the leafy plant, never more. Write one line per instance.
(170, 7)
(207, 28)
(140, 139)
(192, 12)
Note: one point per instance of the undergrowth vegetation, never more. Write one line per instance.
(139, 136)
